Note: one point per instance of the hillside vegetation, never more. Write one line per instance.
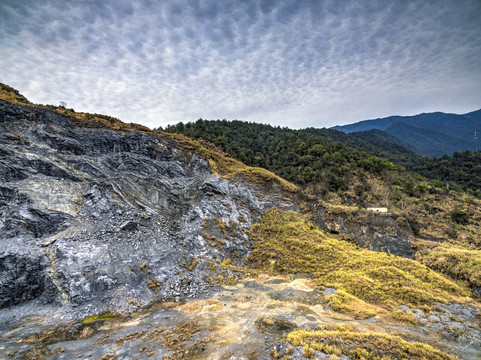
(314, 162)
(280, 150)
(462, 168)
(340, 175)
(367, 282)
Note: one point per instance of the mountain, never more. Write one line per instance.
(385, 140)
(463, 169)
(429, 134)
(374, 142)
(304, 157)
(121, 242)
(346, 181)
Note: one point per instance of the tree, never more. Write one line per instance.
(459, 216)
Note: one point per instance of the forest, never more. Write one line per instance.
(339, 159)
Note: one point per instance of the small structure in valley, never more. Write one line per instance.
(377, 209)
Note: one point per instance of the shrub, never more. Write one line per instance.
(459, 216)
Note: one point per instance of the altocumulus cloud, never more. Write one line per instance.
(291, 62)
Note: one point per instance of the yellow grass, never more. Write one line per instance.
(367, 282)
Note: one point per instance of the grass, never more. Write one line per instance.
(456, 251)
(367, 282)
(456, 262)
(343, 340)
(12, 95)
(94, 318)
(226, 167)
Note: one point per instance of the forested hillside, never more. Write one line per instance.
(462, 168)
(304, 156)
(444, 218)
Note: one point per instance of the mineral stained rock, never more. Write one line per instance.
(95, 220)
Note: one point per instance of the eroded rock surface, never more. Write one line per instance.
(376, 232)
(241, 321)
(95, 220)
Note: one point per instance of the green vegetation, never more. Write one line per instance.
(93, 318)
(367, 282)
(462, 168)
(344, 340)
(314, 162)
(459, 216)
(281, 150)
(227, 167)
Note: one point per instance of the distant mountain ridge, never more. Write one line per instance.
(429, 134)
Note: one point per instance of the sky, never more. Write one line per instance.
(291, 63)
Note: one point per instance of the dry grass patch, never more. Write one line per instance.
(367, 282)
(344, 340)
(192, 307)
(456, 262)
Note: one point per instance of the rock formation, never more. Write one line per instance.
(96, 220)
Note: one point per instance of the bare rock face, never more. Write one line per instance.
(376, 232)
(93, 219)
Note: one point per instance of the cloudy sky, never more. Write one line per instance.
(286, 62)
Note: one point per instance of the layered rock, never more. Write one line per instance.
(94, 220)
(374, 231)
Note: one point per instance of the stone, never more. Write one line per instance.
(83, 206)
(129, 226)
(376, 232)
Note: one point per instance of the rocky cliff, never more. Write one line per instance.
(95, 220)
(103, 224)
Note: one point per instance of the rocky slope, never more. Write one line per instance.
(118, 242)
(381, 232)
(245, 321)
(95, 220)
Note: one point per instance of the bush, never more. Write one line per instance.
(459, 216)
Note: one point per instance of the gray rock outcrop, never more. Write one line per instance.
(377, 232)
(95, 220)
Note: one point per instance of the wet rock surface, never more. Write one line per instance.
(274, 326)
(240, 321)
(94, 220)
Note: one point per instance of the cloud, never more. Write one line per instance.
(296, 63)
